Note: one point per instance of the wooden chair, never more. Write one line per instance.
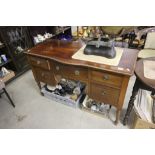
(149, 47)
(3, 90)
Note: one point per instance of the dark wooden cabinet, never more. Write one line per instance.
(16, 40)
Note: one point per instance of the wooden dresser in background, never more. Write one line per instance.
(52, 60)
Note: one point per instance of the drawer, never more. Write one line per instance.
(39, 62)
(44, 76)
(107, 78)
(78, 73)
(69, 71)
(104, 94)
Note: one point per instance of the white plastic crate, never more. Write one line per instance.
(62, 99)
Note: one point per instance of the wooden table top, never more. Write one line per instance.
(139, 71)
(62, 51)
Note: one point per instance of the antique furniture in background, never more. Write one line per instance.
(8, 63)
(52, 60)
(133, 36)
(149, 47)
(140, 83)
(57, 32)
(116, 31)
(123, 35)
(16, 40)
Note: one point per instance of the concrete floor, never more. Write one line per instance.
(35, 111)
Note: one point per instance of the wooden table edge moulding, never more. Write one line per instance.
(105, 83)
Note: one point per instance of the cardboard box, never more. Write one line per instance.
(8, 76)
(138, 123)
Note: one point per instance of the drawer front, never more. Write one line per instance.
(69, 71)
(104, 94)
(39, 62)
(75, 72)
(44, 76)
(112, 79)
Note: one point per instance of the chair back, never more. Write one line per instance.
(150, 41)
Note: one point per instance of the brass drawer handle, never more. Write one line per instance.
(57, 68)
(38, 62)
(42, 74)
(106, 77)
(77, 72)
(103, 93)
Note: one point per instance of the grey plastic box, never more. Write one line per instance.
(62, 99)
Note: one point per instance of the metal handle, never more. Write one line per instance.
(42, 74)
(38, 62)
(106, 77)
(57, 68)
(103, 93)
(77, 72)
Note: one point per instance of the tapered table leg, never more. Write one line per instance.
(39, 85)
(131, 102)
(117, 116)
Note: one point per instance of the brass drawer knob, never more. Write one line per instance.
(77, 72)
(57, 68)
(38, 62)
(103, 93)
(106, 77)
(42, 74)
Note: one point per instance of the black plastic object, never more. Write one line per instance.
(101, 47)
(82, 98)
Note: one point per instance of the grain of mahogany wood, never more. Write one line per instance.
(62, 51)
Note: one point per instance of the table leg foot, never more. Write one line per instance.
(42, 94)
(117, 117)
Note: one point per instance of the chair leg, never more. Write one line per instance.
(8, 97)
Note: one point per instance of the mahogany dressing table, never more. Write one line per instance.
(53, 60)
